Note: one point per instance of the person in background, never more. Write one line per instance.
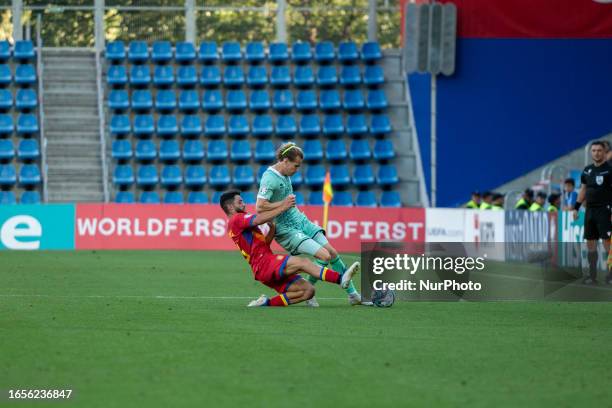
(538, 204)
(498, 202)
(554, 202)
(525, 201)
(487, 199)
(569, 195)
(474, 203)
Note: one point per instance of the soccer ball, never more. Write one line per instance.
(383, 298)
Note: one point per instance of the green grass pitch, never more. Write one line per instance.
(170, 329)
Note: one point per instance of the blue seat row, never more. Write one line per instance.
(29, 175)
(27, 123)
(336, 150)
(254, 52)
(24, 75)
(22, 51)
(25, 99)
(28, 149)
(27, 197)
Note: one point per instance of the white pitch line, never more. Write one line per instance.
(8, 295)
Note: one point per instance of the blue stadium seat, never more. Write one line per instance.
(316, 198)
(238, 126)
(259, 100)
(310, 126)
(210, 76)
(363, 175)
(387, 175)
(163, 76)
(30, 197)
(28, 149)
(313, 151)
(165, 101)
(6, 76)
(377, 100)
(217, 151)
(191, 126)
(6, 99)
(185, 52)
(231, 52)
(264, 151)
(138, 52)
(366, 199)
(24, 50)
(330, 100)
(333, 125)
(171, 176)
(219, 177)
(25, 75)
(7, 151)
(315, 175)
(186, 76)
(383, 150)
(29, 175)
(144, 126)
(336, 150)
(257, 77)
(327, 76)
(356, 125)
(167, 126)
(142, 100)
(233, 76)
(236, 101)
(8, 175)
(380, 125)
(254, 52)
(241, 151)
(147, 175)
(243, 176)
(118, 100)
(26, 99)
(169, 150)
(123, 175)
(195, 176)
(197, 197)
(280, 76)
(212, 100)
(286, 126)
(390, 199)
(260, 172)
(27, 124)
(325, 52)
(283, 100)
(161, 52)
(360, 150)
(342, 199)
(340, 176)
(149, 197)
(173, 197)
(115, 51)
(303, 76)
(115, 76)
(6, 125)
(189, 101)
(297, 180)
(121, 149)
(140, 75)
(124, 197)
(347, 52)
(262, 126)
(353, 100)
(370, 52)
(214, 126)
(5, 51)
(7, 198)
(145, 150)
(248, 197)
(208, 52)
(350, 75)
(278, 53)
(373, 75)
(301, 53)
(306, 101)
(193, 151)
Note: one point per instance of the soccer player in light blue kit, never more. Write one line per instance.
(294, 231)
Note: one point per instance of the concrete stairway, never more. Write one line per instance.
(72, 126)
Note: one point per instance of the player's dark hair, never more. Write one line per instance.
(289, 151)
(569, 181)
(599, 143)
(227, 198)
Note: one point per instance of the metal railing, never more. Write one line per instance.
(102, 125)
(41, 111)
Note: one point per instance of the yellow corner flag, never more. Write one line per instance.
(328, 194)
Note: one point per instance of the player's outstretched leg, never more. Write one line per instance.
(302, 265)
(299, 291)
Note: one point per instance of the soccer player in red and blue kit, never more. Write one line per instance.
(279, 272)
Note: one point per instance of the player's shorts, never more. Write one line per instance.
(270, 272)
(307, 239)
(597, 223)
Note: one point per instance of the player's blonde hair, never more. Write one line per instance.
(289, 151)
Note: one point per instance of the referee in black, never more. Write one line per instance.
(596, 188)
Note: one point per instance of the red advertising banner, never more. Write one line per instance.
(203, 227)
